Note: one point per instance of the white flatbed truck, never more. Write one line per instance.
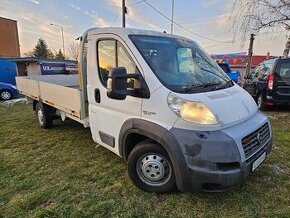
(161, 103)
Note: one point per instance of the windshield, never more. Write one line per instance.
(181, 65)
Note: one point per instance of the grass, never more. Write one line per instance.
(61, 173)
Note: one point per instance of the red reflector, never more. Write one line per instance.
(269, 103)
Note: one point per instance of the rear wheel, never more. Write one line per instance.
(261, 103)
(45, 119)
(150, 168)
(5, 95)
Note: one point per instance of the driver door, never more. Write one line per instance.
(108, 115)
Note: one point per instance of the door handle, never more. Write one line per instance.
(97, 96)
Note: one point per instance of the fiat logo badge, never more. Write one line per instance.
(259, 138)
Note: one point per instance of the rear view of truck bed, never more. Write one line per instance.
(59, 91)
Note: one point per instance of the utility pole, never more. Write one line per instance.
(61, 28)
(62, 42)
(172, 12)
(124, 11)
(250, 54)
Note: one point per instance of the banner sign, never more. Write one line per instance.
(50, 68)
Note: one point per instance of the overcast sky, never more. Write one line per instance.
(207, 18)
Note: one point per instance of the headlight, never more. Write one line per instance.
(191, 111)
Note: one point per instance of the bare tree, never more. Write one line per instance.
(251, 16)
(74, 50)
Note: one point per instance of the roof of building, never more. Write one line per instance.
(241, 61)
(35, 60)
(4, 18)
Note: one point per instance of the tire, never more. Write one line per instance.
(150, 168)
(261, 103)
(6, 95)
(44, 116)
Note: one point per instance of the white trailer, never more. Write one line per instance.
(161, 103)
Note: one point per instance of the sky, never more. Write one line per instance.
(209, 19)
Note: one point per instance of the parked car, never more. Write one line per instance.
(161, 103)
(269, 83)
(7, 91)
(234, 75)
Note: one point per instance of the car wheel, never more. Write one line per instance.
(261, 103)
(150, 168)
(5, 95)
(44, 117)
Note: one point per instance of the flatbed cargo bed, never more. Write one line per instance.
(59, 91)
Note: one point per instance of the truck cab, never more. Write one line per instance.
(162, 104)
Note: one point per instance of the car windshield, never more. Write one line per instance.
(181, 65)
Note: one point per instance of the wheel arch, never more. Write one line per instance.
(135, 130)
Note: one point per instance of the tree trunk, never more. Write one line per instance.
(287, 47)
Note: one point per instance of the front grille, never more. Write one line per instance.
(255, 140)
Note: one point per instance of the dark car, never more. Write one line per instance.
(269, 83)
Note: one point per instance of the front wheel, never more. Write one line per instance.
(150, 168)
(5, 95)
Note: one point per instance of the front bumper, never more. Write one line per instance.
(216, 160)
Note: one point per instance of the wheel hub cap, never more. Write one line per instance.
(40, 116)
(154, 169)
(5, 95)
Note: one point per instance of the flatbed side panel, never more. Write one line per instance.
(61, 97)
(62, 80)
(28, 87)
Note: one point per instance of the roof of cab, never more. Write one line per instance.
(128, 31)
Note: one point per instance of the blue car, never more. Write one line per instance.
(234, 75)
(7, 91)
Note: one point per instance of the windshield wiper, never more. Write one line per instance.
(202, 86)
(223, 78)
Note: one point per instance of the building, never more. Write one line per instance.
(238, 61)
(40, 66)
(9, 41)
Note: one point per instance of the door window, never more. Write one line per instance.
(284, 70)
(106, 58)
(254, 74)
(113, 54)
(265, 70)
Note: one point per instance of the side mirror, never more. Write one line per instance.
(117, 83)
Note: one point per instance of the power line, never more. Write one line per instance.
(115, 18)
(135, 3)
(182, 27)
(213, 19)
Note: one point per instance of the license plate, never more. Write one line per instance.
(259, 161)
